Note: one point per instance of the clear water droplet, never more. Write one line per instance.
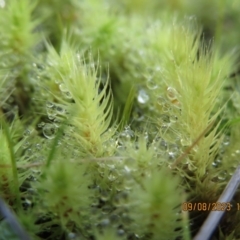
(105, 222)
(104, 195)
(163, 145)
(27, 133)
(185, 142)
(38, 146)
(56, 122)
(26, 145)
(72, 235)
(164, 118)
(57, 81)
(60, 110)
(112, 176)
(151, 84)
(49, 131)
(142, 97)
(51, 112)
(40, 125)
(231, 171)
(49, 104)
(214, 164)
(63, 87)
(161, 101)
(120, 232)
(226, 141)
(222, 175)
(68, 95)
(171, 93)
(173, 118)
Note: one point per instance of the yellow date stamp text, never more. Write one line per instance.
(204, 206)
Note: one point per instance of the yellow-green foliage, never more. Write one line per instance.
(96, 115)
(90, 110)
(17, 26)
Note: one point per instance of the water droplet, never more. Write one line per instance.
(173, 118)
(214, 164)
(162, 145)
(63, 87)
(56, 122)
(161, 101)
(237, 151)
(226, 141)
(104, 195)
(151, 84)
(142, 97)
(105, 222)
(38, 146)
(57, 81)
(164, 118)
(185, 142)
(231, 171)
(112, 176)
(51, 113)
(120, 232)
(40, 125)
(27, 203)
(68, 95)
(49, 104)
(29, 152)
(49, 131)
(222, 175)
(171, 93)
(60, 110)
(26, 145)
(173, 148)
(72, 235)
(171, 156)
(114, 218)
(27, 133)
(138, 115)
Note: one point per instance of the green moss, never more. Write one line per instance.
(115, 113)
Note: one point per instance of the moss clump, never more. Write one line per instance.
(115, 113)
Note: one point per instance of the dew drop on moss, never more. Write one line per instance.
(26, 145)
(68, 95)
(104, 195)
(105, 222)
(49, 131)
(171, 93)
(56, 122)
(222, 175)
(63, 87)
(49, 104)
(162, 145)
(173, 118)
(142, 97)
(40, 125)
(120, 232)
(38, 146)
(112, 176)
(226, 141)
(185, 142)
(151, 84)
(27, 133)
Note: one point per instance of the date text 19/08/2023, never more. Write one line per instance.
(204, 206)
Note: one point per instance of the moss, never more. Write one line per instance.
(115, 113)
